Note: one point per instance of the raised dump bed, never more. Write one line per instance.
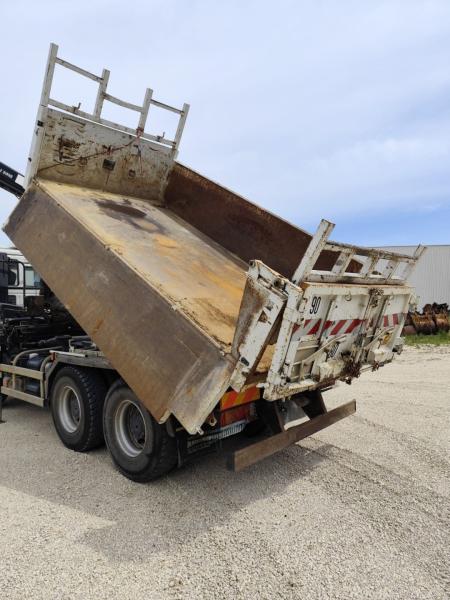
(152, 259)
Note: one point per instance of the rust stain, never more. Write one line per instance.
(216, 314)
(67, 149)
(97, 326)
(122, 209)
(201, 280)
(166, 242)
(231, 285)
(243, 228)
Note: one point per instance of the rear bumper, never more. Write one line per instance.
(240, 459)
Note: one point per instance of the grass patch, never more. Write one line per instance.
(438, 339)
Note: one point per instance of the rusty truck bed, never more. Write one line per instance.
(196, 276)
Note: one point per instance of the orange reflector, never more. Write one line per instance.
(232, 399)
(240, 413)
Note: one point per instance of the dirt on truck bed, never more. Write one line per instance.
(360, 510)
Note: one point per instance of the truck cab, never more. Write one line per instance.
(18, 278)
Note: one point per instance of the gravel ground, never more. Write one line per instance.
(360, 510)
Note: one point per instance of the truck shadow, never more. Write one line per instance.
(199, 497)
(141, 519)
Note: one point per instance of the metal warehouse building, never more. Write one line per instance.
(431, 277)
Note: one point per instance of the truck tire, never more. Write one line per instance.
(140, 448)
(76, 400)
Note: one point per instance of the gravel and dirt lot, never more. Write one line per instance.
(360, 510)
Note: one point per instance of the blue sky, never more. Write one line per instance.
(311, 108)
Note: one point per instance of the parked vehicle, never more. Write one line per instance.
(18, 278)
(204, 314)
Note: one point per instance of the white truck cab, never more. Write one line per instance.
(19, 277)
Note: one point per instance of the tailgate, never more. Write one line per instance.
(323, 325)
(337, 332)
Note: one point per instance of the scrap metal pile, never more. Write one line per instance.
(433, 319)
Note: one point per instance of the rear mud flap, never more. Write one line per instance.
(241, 459)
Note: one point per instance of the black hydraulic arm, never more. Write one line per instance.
(10, 180)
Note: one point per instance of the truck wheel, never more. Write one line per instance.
(140, 447)
(76, 401)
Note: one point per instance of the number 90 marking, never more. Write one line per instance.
(315, 303)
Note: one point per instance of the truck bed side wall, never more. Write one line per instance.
(238, 225)
(161, 355)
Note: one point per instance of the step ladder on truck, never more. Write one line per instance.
(205, 315)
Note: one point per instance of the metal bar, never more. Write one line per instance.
(122, 103)
(43, 384)
(181, 124)
(49, 72)
(342, 262)
(81, 359)
(101, 93)
(390, 268)
(328, 277)
(23, 290)
(381, 313)
(145, 109)
(295, 304)
(369, 266)
(410, 267)
(330, 310)
(144, 136)
(290, 389)
(313, 251)
(78, 70)
(41, 118)
(38, 351)
(250, 455)
(76, 111)
(31, 373)
(361, 251)
(362, 330)
(19, 356)
(22, 396)
(168, 107)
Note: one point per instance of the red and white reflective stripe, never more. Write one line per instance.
(332, 328)
(393, 320)
(337, 328)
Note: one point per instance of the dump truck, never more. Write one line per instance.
(204, 316)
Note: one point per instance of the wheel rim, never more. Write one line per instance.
(129, 424)
(70, 409)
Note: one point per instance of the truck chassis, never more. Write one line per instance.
(274, 432)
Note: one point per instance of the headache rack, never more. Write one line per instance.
(46, 101)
